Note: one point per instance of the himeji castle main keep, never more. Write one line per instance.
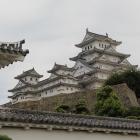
(96, 61)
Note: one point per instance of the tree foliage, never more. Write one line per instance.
(107, 103)
(3, 137)
(131, 77)
(64, 108)
(81, 107)
(132, 111)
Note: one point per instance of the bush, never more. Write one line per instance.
(131, 77)
(132, 111)
(107, 103)
(64, 108)
(131, 117)
(3, 137)
(81, 107)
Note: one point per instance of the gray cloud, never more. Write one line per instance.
(51, 28)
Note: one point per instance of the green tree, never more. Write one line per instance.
(81, 107)
(131, 77)
(64, 108)
(3, 137)
(132, 111)
(107, 103)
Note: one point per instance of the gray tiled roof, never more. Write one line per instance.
(43, 117)
(58, 66)
(100, 51)
(13, 47)
(10, 49)
(97, 36)
(43, 82)
(28, 73)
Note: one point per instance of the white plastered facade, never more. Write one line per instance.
(97, 60)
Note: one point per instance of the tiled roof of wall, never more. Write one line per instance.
(43, 117)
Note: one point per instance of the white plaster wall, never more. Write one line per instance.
(50, 92)
(33, 81)
(96, 44)
(103, 66)
(113, 58)
(63, 72)
(101, 75)
(42, 134)
(91, 56)
(81, 69)
(52, 76)
(55, 91)
(94, 85)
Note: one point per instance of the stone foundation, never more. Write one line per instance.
(125, 94)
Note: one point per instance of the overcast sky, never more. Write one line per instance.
(51, 28)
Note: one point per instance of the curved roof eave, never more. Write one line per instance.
(106, 39)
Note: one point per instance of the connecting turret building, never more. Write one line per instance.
(97, 60)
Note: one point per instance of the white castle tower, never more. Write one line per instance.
(29, 88)
(98, 59)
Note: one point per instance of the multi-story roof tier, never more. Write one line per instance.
(11, 52)
(98, 59)
(30, 88)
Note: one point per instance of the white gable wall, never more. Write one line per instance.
(43, 134)
(94, 85)
(103, 66)
(31, 79)
(91, 56)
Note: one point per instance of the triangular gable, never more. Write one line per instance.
(104, 58)
(52, 76)
(80, 64)
(81, 68)
(84, 78)
(110, 49)
(87, 37)
(55, 66)
(33, 72)
(20, 84)
(125, 62)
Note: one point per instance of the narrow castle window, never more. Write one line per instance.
(102, 45)
(31, 79)
(25, 79)
(90, 46)
(39, 95)
(99, 45)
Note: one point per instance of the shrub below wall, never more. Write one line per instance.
(3, 137)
